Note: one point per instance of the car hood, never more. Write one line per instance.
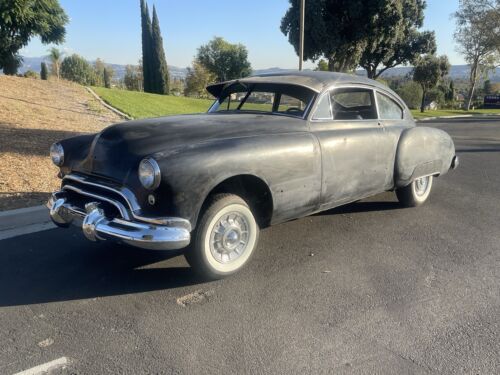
(118, 149)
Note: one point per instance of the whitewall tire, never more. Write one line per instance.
(416, 193)
(225, 238)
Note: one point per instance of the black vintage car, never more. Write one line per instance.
(270, 149)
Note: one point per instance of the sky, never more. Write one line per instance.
(110, 30)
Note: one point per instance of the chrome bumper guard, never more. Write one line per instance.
(174, 233)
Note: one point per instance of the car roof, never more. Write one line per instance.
(316, 81)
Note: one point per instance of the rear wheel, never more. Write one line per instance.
(416, 193)
(225, 238)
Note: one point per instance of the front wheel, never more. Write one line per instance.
(416, 193)
(225, 238)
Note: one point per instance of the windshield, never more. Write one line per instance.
(264, 98)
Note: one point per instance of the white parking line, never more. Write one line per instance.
(52, 365)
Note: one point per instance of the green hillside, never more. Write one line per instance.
(141, 105)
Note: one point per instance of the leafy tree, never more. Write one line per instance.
(107, 76)
(339, 30)
(322, 66)
(197, 79)
(99, 67)
(224, 60)
(411, 93)
(477, 35)
(20, 20)
(133, 79)
(55, 57)
(495, 88)
(394, 39)
(44, 73)
(450, 95)
(488, 88)
(147, 48)
(428, 72)
(75, 68)
(159, 63)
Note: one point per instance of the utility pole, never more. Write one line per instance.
(301, 41)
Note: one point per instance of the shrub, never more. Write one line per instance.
(31, 74)
(44, 73)
(75, 68)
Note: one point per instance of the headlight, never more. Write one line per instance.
(149, 173)
(57, 154)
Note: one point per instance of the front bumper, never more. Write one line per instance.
(172, 234)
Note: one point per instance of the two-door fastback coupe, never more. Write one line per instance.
(270, 149)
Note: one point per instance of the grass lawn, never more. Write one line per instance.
(453, 112)
(141, 105)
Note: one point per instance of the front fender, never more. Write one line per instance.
(289, 164)
(422, 152)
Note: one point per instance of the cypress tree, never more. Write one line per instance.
(160, 68)
(44, 73)
(107, 78)
(147, 66)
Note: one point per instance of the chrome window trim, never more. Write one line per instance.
(320, 98)
(350, 86)
(397, 102)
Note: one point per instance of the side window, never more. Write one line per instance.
(353, 104)
(291, 105)
(388, 108)
(324, 109)
(259, 101)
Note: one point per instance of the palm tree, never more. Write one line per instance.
(55, 57)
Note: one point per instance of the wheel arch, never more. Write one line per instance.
(254, 190)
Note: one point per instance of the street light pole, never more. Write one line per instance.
(301, 40)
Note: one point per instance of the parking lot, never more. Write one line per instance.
(365, 288)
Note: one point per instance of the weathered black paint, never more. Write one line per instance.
(308, 166)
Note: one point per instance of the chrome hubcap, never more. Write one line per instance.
(421, 185)
(229, 237)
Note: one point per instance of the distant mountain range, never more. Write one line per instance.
(456, 71)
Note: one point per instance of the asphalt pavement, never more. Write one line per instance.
(369, 288)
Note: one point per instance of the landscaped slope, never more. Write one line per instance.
(33, 115)
(140, 105)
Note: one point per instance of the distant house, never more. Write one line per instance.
(432, 106)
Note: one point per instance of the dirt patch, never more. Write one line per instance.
(33, 115)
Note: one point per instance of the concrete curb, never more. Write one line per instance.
(111, 108)
(452, 117)
(22, 221)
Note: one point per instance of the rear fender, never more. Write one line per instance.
(422, 152)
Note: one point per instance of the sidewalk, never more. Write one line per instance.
(22, 221)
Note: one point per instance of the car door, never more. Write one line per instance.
(392, 116)
(354, 145)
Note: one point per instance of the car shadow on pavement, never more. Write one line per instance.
(60, 265)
